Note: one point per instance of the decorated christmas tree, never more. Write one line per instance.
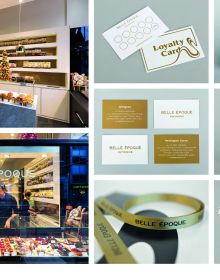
(5, 72)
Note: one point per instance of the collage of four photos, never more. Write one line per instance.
(105, 137)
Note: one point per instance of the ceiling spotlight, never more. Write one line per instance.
(12, 134)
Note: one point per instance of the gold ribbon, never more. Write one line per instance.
(113, 247)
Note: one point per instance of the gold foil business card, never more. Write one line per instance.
(127, 114)
(172, 48)
(176, 149)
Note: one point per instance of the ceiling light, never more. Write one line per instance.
(20, 49)
(44, 155)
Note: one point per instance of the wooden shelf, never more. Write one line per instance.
(42, 186)
(58, 48)
(27, 85)
(40, 70)
(42, 197)
(45, 170)
(32, 46)
(12, 58)
(46, 200)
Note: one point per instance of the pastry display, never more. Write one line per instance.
(43, 164)
(35, 52)
(79, 81)
(22, 79)
(12, 65)
(42, 247)
(28, 100)
(9, 96)
(18, 99)
(29, 79)
(43, 193)
(42, 179)
(28, 52)
(30, 41)
(37, 64)
(42, 175)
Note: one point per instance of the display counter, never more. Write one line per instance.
(38, 247)
(18, 109)
(46, 95)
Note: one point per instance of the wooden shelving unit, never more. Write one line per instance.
(51, 84)
(52, 185)
(56, 45)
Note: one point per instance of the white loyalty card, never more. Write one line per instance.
(124, 149)
(172, 48)
(176, 114)
(132, 33)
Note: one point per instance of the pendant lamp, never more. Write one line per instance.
(20, 49)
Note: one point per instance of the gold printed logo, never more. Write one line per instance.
(193, 44)
(172, 48)
(180, 48)
(125, 149)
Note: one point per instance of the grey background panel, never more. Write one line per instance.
(151, 168)
(217, 222)
(217, 41)
(176, 14)
(217, 132)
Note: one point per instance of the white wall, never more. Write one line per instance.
(41, 14)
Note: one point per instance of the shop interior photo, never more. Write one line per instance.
(44, 63)
(45, 178)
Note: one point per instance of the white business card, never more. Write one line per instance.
(172, 48)
(176, 114)
(124, 149)
(134, 32)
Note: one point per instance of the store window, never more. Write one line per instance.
(44, 201)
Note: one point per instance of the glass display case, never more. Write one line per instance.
(44, 201)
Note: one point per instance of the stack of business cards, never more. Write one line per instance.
(160, 49)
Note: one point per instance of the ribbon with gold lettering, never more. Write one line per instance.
(113, 247)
